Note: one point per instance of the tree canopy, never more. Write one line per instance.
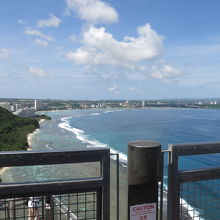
(14, 130)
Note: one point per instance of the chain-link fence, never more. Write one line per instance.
(83, 198)
(193, 194)
(201, 200)
(71, 206)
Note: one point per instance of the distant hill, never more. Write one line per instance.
(14, 131)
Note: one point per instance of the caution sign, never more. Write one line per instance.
(143, 212)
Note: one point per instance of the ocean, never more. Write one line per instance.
(114, 128)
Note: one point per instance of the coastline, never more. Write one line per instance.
(31, 135)
(122, 175)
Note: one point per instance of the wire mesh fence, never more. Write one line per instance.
(71, 206)
(203, 200)
(60, 198)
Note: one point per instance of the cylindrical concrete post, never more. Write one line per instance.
(143, 177)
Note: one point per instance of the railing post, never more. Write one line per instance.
(143, 177)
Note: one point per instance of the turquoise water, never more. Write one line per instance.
(167, 126)
(115, 128)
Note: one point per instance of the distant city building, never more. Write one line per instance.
(37, 105)
(83, 105)
(17, 106)
(127, 104)
(12, 108)
(24, 105)
(143, 103)
(26, 112)
(5, 105)
(213, 103)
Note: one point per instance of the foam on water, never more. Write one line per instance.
(82, 136)
(95, 113)
(195, 214)
(109, 111)
(65, 125)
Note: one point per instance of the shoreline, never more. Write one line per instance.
(122, 177)
(31, 135)
(130, 108)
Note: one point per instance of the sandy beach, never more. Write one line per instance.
(30, 135)
(85, 170)
(29, 140)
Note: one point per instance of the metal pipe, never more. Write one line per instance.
(143, 176)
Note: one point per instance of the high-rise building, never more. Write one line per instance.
(37, 105)
(17, 106)
(143, 103)
(127, 104)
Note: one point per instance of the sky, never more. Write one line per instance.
(109, 49)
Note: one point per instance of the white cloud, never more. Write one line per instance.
(100, 47)
(164, 71)
(94, 11)
(86, 56)
(41, 42)
(52, 21)
(39, 34)
(5, 54)
(37, 71)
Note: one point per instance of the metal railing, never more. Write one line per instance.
(84, 198)
(162, 191)
(193, 194)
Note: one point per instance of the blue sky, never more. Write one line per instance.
(96, 49)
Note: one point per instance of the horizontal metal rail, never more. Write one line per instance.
(100, 184)
(178, 177)
(199, 175)
(29, 158)
(195, 149)
(52, 187)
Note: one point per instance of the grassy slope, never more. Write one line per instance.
(14, 130)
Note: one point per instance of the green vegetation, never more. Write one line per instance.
(14, 131)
